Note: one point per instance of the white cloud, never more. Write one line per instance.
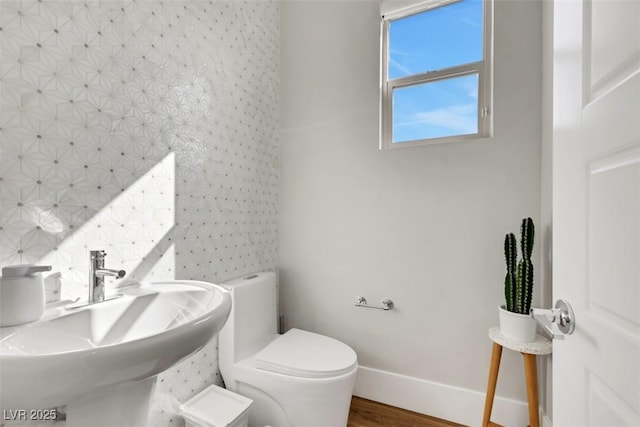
(460, 118)
(400, 67)
(470, 86)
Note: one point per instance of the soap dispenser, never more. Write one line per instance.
(21, 294)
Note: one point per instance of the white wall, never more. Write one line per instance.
(423, 226)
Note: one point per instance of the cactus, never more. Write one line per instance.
(518, 281)
(510, 254)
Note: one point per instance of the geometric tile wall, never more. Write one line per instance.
(145, 128)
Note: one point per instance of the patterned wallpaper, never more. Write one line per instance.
(145, 128)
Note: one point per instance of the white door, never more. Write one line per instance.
(596, 211)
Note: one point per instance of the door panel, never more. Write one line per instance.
(605, 406)
(612, 56)
(613, 238)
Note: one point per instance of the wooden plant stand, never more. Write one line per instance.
(541, 346)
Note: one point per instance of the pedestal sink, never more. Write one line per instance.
(101, 360)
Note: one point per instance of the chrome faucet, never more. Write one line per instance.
(97, 273)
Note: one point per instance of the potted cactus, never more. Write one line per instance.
(515, 321)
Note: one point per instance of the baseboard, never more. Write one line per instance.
(546, 421)
(455, 404)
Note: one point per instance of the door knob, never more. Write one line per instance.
(562, 316)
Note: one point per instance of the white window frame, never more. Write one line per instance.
(483, 68)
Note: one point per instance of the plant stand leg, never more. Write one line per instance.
(496, 355)
(530, 371)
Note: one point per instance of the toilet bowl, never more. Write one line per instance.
(297, 379)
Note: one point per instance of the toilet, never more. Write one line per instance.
(297, 379)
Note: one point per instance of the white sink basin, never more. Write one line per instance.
(112, 350)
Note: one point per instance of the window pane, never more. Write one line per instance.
(435, 39)
(437, 109)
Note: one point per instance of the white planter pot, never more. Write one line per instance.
(518, 327)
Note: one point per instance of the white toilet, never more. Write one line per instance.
(298, 379)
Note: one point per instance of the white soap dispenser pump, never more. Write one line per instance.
(21, 294)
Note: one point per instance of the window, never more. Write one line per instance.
(436, 72)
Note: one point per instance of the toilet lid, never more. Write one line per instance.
(300, 353)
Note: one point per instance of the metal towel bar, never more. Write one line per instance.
(387, 304)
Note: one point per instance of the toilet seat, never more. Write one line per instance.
(305, 354)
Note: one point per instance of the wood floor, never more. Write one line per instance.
(366, 413)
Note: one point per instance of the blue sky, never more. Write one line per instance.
(437, 39)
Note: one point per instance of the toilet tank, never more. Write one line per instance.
(252, 323)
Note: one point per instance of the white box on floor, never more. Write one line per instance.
(216, 407)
